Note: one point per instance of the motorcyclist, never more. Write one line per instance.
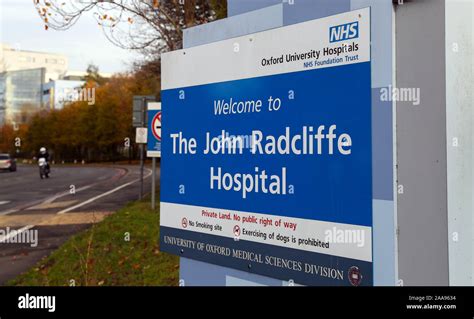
(43, 153)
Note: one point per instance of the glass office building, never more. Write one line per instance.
(20, 94)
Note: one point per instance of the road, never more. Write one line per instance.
(53, 209)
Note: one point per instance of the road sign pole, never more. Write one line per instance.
(153, 183)
(139, 120)
(141, 171)
(142, 148)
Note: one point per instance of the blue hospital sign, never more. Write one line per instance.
(266, 152)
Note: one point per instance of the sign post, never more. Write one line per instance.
(267, 160)
(153, 183)
(139, 120)
(154, 143)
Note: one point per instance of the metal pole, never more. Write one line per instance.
(142, 147)
(141, 171)
(153, 183)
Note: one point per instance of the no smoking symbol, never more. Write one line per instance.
(236, 230)
(184, 222)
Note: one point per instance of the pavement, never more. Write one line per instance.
(71, 200)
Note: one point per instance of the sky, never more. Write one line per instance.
(84, 43)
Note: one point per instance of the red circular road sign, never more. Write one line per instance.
(156, 126)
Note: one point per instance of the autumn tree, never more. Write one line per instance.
(12, 139)
(7, 137)
(96, 132)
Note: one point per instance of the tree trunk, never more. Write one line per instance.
(189, 13)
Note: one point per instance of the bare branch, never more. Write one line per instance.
(150, 26)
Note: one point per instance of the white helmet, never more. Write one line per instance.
(43, 150)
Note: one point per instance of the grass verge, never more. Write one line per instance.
(121, 250)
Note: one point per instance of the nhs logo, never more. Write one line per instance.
(344, 32)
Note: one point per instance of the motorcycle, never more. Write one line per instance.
(43, 168)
